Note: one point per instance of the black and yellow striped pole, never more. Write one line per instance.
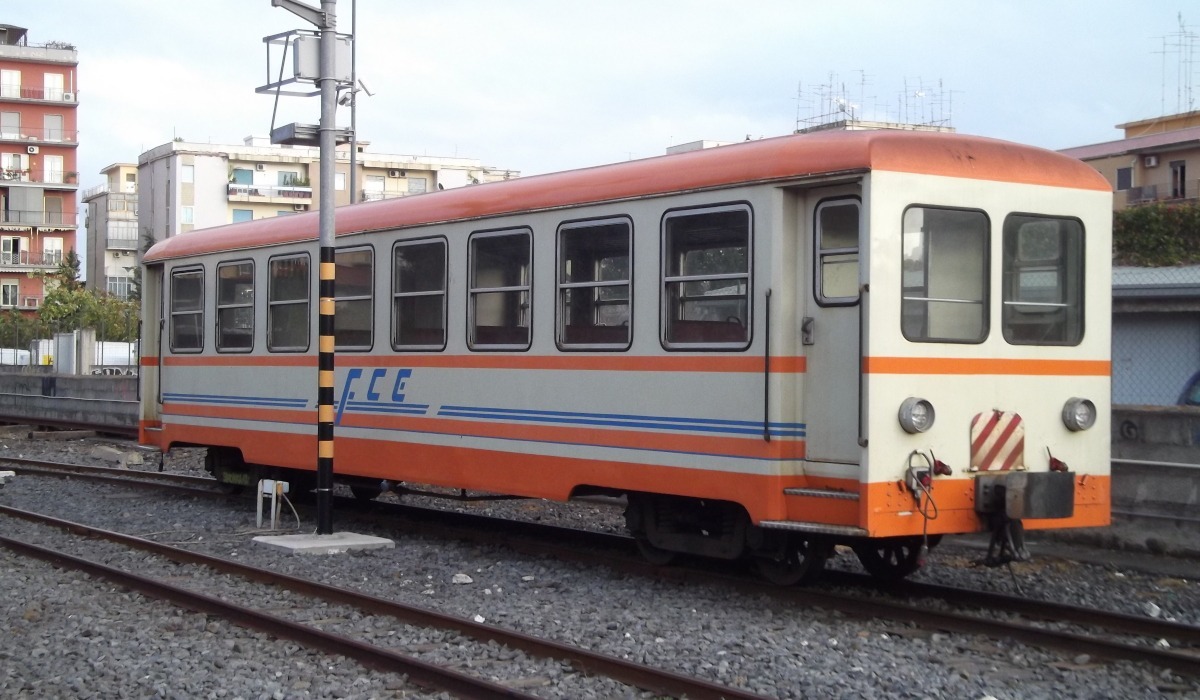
(325, 288)
(325, 412)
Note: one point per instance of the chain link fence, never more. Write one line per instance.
(1156, 333)
(31, 344)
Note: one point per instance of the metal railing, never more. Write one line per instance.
(376, 195)
(16, 216)
(1163, 192)
(267, 191)
(27, 259)
(48, 177)
(15, 91)
(23, 133)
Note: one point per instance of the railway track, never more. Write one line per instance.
(465, 685)
(1077, 630)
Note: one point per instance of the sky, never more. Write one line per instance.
(540, 86)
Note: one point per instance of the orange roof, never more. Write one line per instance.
(766, 160)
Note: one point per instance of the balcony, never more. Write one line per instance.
(37, 218)
(67, 137)
(25, 260)
(119, 242)
(282, 194)
(12, 91)
(63, 180)
(1189, 190)
(376, 195)
(21, 303)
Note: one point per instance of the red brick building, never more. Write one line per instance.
(39, 93)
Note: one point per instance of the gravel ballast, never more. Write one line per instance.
(69, 635)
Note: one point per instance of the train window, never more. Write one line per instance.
(499, 290)
(837, 252)
(354, 278)
(945, 275)
(235, 306)
(287, 304)
(419, 295)
(187, 310)
(593, 285)
(706, 278)
(1043, 280)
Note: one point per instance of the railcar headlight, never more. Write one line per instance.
(916, 415)
(1078, 414)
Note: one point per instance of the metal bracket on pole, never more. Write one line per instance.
(308, 13)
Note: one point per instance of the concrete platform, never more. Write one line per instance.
(337, 543)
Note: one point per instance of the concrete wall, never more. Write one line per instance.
(50, 399)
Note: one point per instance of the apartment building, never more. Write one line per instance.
(184, 186)
(113, 238)
(39, 99)
(1157, 160)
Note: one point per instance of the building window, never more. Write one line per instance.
(593, 284)
(235, 306)
(187, 174)
(10, 83)
(240, 215)
(187, 310)
(287, 304)
(417, 185)
(52, 169)
(419, 296)
(120, 287)
(1124, 178)
(339, 181)
(54, 87)
(52, 250)
(353, 287)
(837, 252)
(10, 125)
(186, 215)
(287, 178)
(1043, 280)
(12, 250)
(499, 286)
(1179, 179)
(706, 278)
(9, 290)
(241, 176)
(944, 275)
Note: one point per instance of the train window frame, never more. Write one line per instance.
(343, 303)
(177, 313)
(709, 335)
(284, 304)
(593, 335)
(417, 294)
(523, 290)
(909, 300)
(237, 307)
(824, 258)
(1033, 322)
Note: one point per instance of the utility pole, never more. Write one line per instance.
(325, 20)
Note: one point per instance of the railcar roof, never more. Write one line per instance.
(767, 160)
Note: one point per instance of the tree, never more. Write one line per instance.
(67, 273)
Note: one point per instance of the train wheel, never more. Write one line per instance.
(652, 554)
(892, 558)
(800, 561)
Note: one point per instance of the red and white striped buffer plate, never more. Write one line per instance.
(997, 441)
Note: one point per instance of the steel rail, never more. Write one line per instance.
(110, 474)
(631, 673)
(419, 672)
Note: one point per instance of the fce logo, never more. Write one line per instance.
(377, 387)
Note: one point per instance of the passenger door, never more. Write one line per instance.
(830, 329)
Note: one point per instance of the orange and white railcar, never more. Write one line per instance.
(864, 337)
